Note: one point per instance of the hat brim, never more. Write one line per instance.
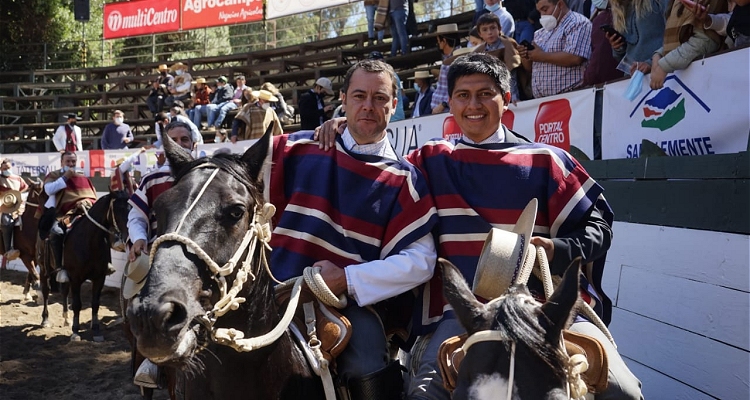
(503, 254)
(135, 275)
(16, 206)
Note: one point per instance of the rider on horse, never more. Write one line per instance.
(363, 216)
(122, 178)
(66, 192)
(142, 221)
(11, 207)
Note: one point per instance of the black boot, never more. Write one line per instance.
(386, 384)
(370, 42)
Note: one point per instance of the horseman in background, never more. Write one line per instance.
(122, 177)
(66, 192)
(11, 206)
(142, 221)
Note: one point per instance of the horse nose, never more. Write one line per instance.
(166, 317)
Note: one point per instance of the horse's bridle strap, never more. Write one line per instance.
(483, 336)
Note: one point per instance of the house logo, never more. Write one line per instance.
(666, 107)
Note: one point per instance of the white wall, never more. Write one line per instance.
(682, 310)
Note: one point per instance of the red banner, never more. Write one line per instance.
(204, 13)
(142, 17)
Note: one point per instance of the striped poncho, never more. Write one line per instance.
(142, 200)
(476, 187)
(78, 189)
(343, 207)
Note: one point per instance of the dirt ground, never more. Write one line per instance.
(42, 363)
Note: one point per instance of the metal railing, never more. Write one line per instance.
(216, 41)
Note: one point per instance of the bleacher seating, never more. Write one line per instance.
(33, 103)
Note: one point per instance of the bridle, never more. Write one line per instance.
(115, 233)
(258, 234)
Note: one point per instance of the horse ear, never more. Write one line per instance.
(560, 306)
(255, 156)
(177, 156)
(470, 312)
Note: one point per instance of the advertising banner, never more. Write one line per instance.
(142, 17)
(205, 13)
(698, 111)
(281, 8)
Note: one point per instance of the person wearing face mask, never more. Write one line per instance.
(183, 81)
(507, 22)
(117, 134)
(561, 49)
(602, 66)
(448, 37)
(12, 207)
(255, 116)
(312, 108)
(68, 136)
(423, 86)
(159, 90)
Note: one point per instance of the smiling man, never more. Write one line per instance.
(361, 214)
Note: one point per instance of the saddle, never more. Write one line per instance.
(450, 356)
(332, 330)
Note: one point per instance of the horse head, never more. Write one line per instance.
(208, 224)
(514, 346)
(117, 218)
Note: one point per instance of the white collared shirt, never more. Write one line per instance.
(497, 137)
(380, 148)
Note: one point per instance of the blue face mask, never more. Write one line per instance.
(600, 4)
(635, 87)
(416, 87)
(6, 172)
(492, 8)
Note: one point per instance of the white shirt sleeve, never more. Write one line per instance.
(79, 144)
(51, 188)
(58, 139)
(378, 280)
(719, 23)
(129, 160)
(137, 225)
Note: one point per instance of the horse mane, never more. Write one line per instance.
(230, 163)
(519, 320)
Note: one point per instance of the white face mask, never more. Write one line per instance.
(119, 120)
(6, 172)
(600, 4)
(549, 22)
(265, 106)
(179, 72)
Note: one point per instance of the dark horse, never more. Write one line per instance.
(169, 316)
(24, 239)
(513, 329)
(86, 257)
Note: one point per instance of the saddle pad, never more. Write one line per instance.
(450, 356)
(596, 375)
(333, 329)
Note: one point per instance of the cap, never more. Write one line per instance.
(325, 83)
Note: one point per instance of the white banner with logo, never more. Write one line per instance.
(281, 8)
(704, 109)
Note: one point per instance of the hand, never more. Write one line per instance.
(135, 251)
(69, 173)
(233, 139)
(334, 277)
(547, 244)
(326, 133)
(701, 14)
(640, 66)
(127, 140)
(522, 50)
(438, 109)
(535, 54)
(329, 107)
(616, 41)
(658, 75)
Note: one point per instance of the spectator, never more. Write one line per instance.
(180, 89)
(163, 119)
(68, 137)
(641, 24)
(217, 114)
(423, 86)
(398, 11)
(507, 24)
(177, 113)
(736, 24)
(339, 111)
(685, 39)
(474, 38)
(399, 114)
(561, 49)
(526, 18)
(370, 7)
(312, 108)
(283, 111)
(224, 92)
(500, 46)
(255, 116)
(159, 90)
(117, 134)
(448, 38)
(201, 100)
(602, 66)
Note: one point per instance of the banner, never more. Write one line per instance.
(281, 8)
(142, 17)
(698, 111)
(205, 13)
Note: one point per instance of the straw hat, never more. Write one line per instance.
(163, 67)
(463, 50)
(10, 201)
(135, 275)
(421, 75)
(199, 80)
(503, 254)
(265, 95)
(450, 30)
(177, 65)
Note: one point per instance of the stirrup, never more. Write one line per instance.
(62, 276)
(147, 375)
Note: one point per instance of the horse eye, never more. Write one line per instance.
(235, 212)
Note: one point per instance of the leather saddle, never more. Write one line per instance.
(332, 330)
(451, 354)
